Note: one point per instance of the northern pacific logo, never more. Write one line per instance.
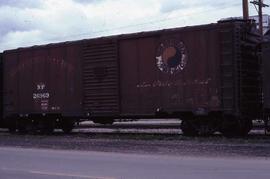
(171, 56)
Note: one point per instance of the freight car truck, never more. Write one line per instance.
(208, 76)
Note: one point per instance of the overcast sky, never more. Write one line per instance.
(33, 22)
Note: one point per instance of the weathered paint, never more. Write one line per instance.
(43, 80)
(189, 82)
(100, 78)
(194, 69)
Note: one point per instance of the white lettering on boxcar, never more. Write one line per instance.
(41, 86)
(41, 95)
(171, 56)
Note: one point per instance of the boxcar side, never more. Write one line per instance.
(42, 83)
(171, 72)
(101, 79)
(208, 76)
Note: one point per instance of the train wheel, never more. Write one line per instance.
(199, 126)
(47, 126)
(12, 129)
(206, 125)
(67, 125)
(23, 126)
(236, 127)
(188, 128)
(104, 121)
(245, 125)
(11, 125)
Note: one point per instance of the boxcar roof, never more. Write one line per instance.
(127, 36)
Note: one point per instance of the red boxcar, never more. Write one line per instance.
(206, 75)
(42, 81)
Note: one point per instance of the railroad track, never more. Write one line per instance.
(138, 127)
(145, 127)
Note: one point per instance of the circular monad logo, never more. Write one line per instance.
(171, 56)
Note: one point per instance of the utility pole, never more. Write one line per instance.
(245, 10)
(260, 5)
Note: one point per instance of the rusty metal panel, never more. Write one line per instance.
(74, 80)
(44, 80)
(240, 67)
(249, 70)
(10, 81)
(171, 71)
(64, 68)
(212, 68)
(129, 68)
(229, 92)
(101, 78)
(33, 88)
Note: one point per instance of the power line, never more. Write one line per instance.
(260, 5)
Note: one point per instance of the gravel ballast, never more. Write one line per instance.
(255, 145)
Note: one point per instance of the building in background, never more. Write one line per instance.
(266, 22)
